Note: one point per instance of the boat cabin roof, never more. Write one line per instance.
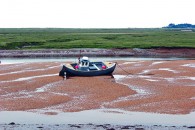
(86, 59)
(84, 62)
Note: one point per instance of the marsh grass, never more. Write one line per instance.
(94, 38)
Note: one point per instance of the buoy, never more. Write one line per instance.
(103, 67)
(76, 67)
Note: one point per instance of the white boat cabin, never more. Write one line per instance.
(84, 62)
(85, 65)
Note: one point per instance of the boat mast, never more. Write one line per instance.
(79, 58)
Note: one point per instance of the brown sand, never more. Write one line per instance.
(151, 86)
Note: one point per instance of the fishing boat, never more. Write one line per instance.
(86, 68)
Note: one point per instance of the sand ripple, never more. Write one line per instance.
(150, 86)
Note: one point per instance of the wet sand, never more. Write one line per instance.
(166, 87)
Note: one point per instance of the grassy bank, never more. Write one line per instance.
(54, 38)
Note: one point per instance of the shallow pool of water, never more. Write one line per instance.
(74, 59)
(99, 116)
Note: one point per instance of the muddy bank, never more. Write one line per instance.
(149, 86)
(90, 126)
(156, 52)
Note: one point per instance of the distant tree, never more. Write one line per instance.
(184, 25)
(171, 25)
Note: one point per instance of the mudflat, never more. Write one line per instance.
(166, 87)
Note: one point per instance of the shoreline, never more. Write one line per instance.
(91, 52)
(96, 119)
(90, 126)
(97, 116)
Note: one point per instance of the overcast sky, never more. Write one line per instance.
(95, 13)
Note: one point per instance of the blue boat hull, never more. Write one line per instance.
(73, 72)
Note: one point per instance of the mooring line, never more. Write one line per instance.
(124, 70)
(128, 73)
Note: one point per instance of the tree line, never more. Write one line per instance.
(183, 25)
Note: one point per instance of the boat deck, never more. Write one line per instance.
(92, 66)
(108, 64)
